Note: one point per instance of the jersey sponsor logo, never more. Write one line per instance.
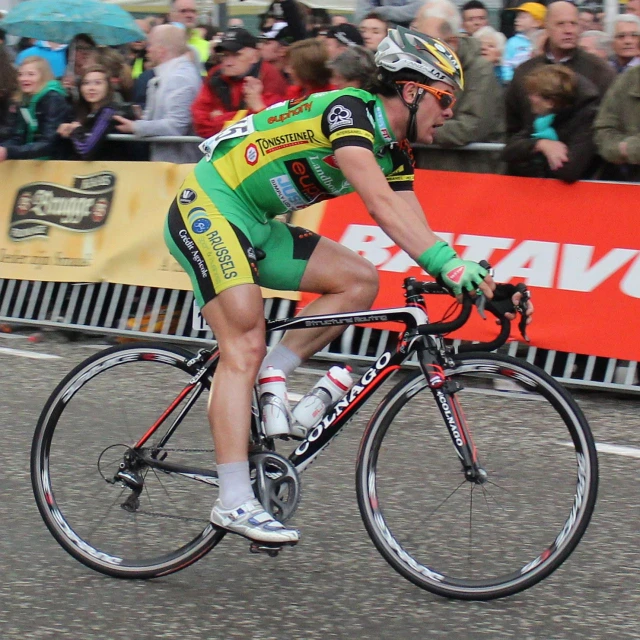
(350, 133)
(306, 181)
(331, 161)
(293, 139)
(225, 261)
(251, 154)
(380, 121)
(196, 211)
(196, 256)
(333, 184)
(201, 225)
(455, 275)
(287, 193)
(296, 101)
(188, 196)
(339, 116)
(292, 113)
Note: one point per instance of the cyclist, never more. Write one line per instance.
(286, 158)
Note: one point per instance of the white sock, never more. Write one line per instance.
(235, 484)
(280, 357)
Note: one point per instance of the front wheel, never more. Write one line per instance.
(478, 540)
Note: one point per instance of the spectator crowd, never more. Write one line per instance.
(553, 82)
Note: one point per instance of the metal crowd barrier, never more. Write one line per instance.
(125, 312)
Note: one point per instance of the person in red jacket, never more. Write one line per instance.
(241, 84)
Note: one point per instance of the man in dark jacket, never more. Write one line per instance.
(562, 28)
(241, 84)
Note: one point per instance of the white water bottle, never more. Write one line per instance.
(329, 389)
(274, 402)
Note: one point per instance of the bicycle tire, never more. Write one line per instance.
(103, 406)
(537, 448)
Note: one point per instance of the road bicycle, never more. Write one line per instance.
(467, 490)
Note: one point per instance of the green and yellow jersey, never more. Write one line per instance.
(282, 159)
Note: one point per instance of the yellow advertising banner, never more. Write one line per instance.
(93, 222)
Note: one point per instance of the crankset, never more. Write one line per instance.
(276, 484)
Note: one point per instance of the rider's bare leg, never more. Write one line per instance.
(346, 282)
(236, 317)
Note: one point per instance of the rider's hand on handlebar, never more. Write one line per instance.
(516, 298)
(465, 275)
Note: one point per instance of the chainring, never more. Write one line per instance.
(276, 484)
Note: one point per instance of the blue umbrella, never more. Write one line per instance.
(61, 20)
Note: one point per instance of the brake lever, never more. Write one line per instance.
(481, 300)
(521, 308)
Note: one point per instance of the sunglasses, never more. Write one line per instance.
(445, 99)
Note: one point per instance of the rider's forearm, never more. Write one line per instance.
(399, 220)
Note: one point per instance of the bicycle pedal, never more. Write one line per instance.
(272, 550)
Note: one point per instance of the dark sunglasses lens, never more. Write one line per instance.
(446, 101)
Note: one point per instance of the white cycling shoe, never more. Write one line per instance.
(253, 522)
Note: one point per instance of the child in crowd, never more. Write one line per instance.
(521, 46)
(93, 119)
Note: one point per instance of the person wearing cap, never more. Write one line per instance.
(273, 46)
(243, 83)
(340, 37)
(519, 48)
(561, 47)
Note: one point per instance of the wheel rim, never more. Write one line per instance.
(90, 428)
(469, 540)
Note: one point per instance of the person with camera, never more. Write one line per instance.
(169, 97)
(93, 120)
(243, 83)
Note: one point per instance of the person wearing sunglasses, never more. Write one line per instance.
(284, 158)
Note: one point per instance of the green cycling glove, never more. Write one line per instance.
(460, 274)
(441, 260)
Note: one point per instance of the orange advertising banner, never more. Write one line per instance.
(577, 247)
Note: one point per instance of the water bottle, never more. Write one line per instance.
(274, 402)
(329, 389)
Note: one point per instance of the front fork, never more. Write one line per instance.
(432, 362)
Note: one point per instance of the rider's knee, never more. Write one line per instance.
(364, 281)
(246, 353)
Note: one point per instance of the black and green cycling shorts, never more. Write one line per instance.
(214, 238)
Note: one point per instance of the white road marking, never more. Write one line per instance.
(617, 449)
(28, 354)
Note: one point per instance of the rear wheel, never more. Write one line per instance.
(467, 540)
(103, 500)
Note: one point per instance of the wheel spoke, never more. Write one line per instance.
(415, 509)
(116, 396)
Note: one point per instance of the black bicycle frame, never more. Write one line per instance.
(411, 317)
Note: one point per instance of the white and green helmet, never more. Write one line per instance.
(404, 50)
